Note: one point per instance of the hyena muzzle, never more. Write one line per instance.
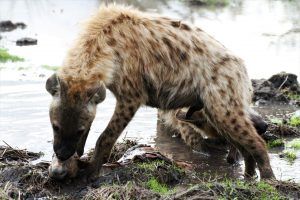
(146, 59)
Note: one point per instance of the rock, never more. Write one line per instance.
(284, 80)
(263, 90)
(276, 89)
(26, 42)
(6, 26)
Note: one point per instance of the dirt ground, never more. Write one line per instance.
(146, 175)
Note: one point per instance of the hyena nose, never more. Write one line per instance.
(64, 154)
(63, 157)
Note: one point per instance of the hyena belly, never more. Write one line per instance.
(169, 96)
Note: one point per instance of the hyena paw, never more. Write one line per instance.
(89, 171)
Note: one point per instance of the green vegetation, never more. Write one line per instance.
(294, 121)
(260, 190)
(156, 186)
(290, 155)
(275, 143)
(293, 96)
(4, 191)
(216, 2)
(6, 57)
(295, 144)
(276, 121)
(49, 67)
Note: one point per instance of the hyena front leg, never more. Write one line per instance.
(123, 114)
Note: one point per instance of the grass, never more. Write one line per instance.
(293, 96)
(4, 191)
(49, 67)
(6, 57)
(238, 189)
(156, 186)
(295, 144)
(275, 143)
(294, 121)
(290, 155)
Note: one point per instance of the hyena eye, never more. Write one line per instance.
(55, 128)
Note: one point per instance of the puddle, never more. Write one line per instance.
(257, 30)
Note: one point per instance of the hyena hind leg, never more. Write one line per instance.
(238, 127)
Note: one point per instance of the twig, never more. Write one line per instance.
(283, 83)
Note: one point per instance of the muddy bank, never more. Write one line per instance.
(145, 174)
(281, 88)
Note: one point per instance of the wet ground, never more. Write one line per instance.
(257, 30)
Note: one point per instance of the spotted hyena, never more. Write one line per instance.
(146, 59)
(193, 127)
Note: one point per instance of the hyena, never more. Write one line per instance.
(193, 127)
(146, 59)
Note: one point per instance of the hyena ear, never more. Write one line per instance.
(52, 84)
(97, 94)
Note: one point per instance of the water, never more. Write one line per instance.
(256, 30)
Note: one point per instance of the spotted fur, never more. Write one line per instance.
(146, 59)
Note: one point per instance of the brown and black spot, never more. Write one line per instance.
(107, 30)
(214, 79)
(157, 21)
(241, 113)
(199, 30)
(111, 42)
(114, 22)
(222, 92)
(158, 57)
(152, 33)
(122, 34)
(185, 45)
(167, 42)
(227, 113)
(237, 127)
(233, 121)
(121, 18)
(183, 56)
(250, 141)
(175, 24)
(185, 27)
(224, 60)
(245, 132)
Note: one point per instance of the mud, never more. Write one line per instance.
(127, 178)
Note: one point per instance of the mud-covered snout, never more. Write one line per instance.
(61, 169)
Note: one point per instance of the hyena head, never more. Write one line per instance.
(71, 115)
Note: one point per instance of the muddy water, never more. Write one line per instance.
(260, 31)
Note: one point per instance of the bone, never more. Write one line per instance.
(63, 169)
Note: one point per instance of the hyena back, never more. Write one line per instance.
(145, 59)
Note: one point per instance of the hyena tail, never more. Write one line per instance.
(230, 115)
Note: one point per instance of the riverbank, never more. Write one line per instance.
(146, 175)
